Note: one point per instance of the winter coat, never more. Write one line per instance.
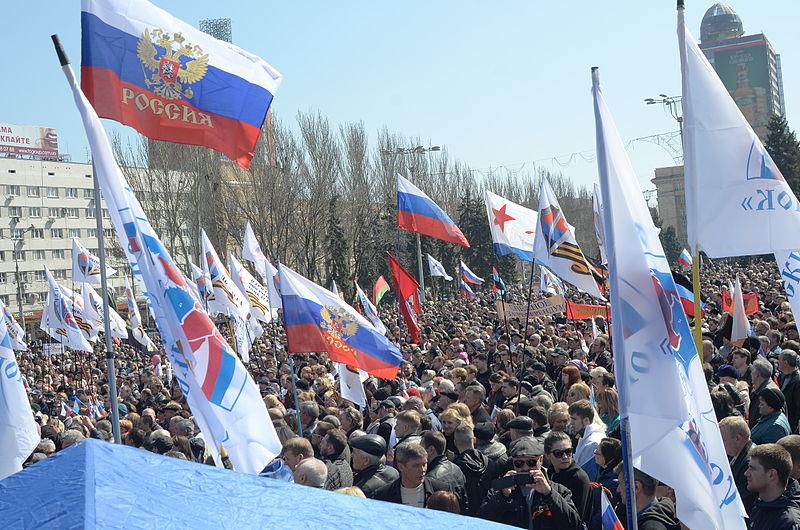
(537, 511)
(575, 479)
(783, 512)
(659, 516)
(770, 428)
(391, 492)
(752, 412)
(790, 386)
(609, 480)
(498, 459)
(443, 470)
(738, 466)
(473, 464)
(340, 474)
(373, 478)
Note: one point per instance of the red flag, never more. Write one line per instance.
(380, 289)
(407, 290)
(751, 303)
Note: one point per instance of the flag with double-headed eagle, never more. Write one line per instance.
(513, 226)
(317, 320)
(86, 266)
(223, 398)
(58, 320)
(557, 249)
(144, 68)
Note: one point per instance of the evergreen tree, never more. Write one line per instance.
(672, 247)
(336, 262)
(783, 147)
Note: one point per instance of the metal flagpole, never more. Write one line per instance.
(294, 391)
(101, 251)
(419, 267)
(698, 315)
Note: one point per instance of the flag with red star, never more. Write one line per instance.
(513, 226)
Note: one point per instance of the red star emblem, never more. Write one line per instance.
(501, 217)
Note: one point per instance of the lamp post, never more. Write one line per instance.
(673, 105)
(18, 243)
(416, 150)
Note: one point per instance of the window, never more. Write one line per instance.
(91, 233)
(12, 189)
(105, 213)
(109, 233)
(71, 193)
(2, 255)
(52, 192)
(4, 298)
(58, 253)
(15, 211)
(19, 255)
(39, 255)
(60, 274)
(17, 233)
(34, 211)
(72, 213)
(55, 213)
(74, 232)
(90, 213)
(51, 173)
(88, 194)
(2, 277)
(57, 233)
(88, 176)
(37, 233)
(39, 276)
(33, 191)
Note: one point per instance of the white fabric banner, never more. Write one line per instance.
(436, 268)
(58, 320)
(513, 226)
(789, 264)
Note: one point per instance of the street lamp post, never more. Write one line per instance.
(416, 150)
(18, 243)
(673, 105)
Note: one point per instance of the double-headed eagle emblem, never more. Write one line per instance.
(172, 62)
(338, 323)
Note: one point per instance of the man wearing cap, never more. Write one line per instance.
(519, 427)
(369, 464)
(557, 359)
(540, 503)
(772, 424)
(384, 425)
(539, 371)
(761, 374)
(789, 379)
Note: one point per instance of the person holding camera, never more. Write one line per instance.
(525, 497)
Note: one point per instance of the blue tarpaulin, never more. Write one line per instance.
(100, 485)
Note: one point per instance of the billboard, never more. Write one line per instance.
(744, 70)
(28, 140)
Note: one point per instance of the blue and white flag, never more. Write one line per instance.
(58, 318)
(224, 400)
(468, 276)
(85, 265)
(549, 282)
(663, 392)
(369, 310)
(599, 229)
(14, 329)
(513, 226)
(18, 433)
(789, 264)
(737, 201)
(436, 268)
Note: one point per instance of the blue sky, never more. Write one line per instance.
(497, 83)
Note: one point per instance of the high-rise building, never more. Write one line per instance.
(747, 65)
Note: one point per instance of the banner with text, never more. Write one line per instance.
(28, 140)
(539, 308)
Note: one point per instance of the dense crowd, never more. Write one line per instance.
(497, 420)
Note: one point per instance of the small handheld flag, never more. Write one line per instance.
(608, 515)
(685, 258)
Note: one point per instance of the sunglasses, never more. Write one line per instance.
(528, 463)
(560, 453)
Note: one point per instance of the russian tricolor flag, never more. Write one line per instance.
(609, 517)
(469, 276)
(317, 320)
(466, 292)
(416, 212)
(145, 68)
(685, 258)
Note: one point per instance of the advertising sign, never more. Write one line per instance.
(28, 140)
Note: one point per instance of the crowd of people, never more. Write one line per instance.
(497, 420)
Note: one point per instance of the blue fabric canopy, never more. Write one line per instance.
(96, 484)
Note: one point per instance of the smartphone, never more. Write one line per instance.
(518, 479)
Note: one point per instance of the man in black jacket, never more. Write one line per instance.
(369, 459)
(442, 469)
(474, 465)
(539, 504)
(789, 378)
(778, 504)
(736, 439)
(332, 449)
(413, 487)
(653, 513)
(558, 451)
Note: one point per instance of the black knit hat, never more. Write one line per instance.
(773, 397)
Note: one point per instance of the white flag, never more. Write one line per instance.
(227, 299)
(789, 265)
(663, 392)
(87, 325)
(18, 433)
(351, 384)
(14, 329)
(85, 265)
(369, 310)
(556, 247)
(737, 201)
(335, 289)
(741, 326)
(599, 230)
(58, 320)
(513, 226)
(224, 399)
(251, 251)
(257, 294)
(437, 269)
(273, 281)
(135, 319)
(93, 308)
(549, 282)
(202, 281)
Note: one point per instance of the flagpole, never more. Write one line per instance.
(698, 315)
(419, 267)
(525, 333)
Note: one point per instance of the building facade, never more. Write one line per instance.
(671, 200)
